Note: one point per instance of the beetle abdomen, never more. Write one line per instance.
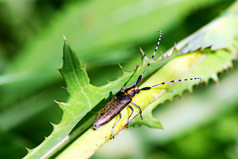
(111, 109)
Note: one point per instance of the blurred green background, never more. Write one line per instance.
(103, 34)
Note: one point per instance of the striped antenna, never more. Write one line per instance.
(174, 81)
(140, 77)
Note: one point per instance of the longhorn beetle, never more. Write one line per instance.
(124, 98)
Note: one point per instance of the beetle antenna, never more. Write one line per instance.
(174, 81)
(140, 77)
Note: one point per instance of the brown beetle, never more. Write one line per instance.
(124, 98)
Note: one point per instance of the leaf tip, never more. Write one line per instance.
(142, 52)
(53, 124)
(56, 102)
(64, 37)
(175, 51)
(175, 46)
(214, 77)
(162, 56)
(60, 104)
(28, 149)
(190, 90)
(122, 69)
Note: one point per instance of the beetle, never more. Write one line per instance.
(124, 99)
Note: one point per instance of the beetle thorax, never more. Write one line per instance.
(132, 91)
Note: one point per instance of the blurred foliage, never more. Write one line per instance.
(103, 34)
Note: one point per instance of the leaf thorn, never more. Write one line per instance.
(64, 37)
(28, 149)
(175, 46)
(142, 52)
(52, 124)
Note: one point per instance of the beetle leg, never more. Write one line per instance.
(123, 88)
(129, 115)
(115, 125)
(139, 109)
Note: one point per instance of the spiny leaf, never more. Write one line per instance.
(205, 64)
(100, 136)
(84, 97)
(219, 34)
(217, 62)
(77, 106)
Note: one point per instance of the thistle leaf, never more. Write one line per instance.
(84, 96)
(219, 34)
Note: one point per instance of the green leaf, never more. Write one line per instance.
(219, 34)
(84, 97)
(217, 62)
